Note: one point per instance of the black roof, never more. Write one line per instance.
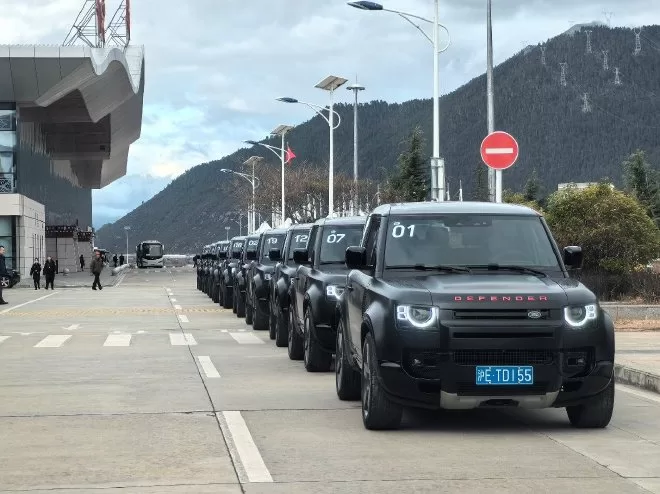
(255, 235)
(301, 226)
(346, 220)
(454, 207)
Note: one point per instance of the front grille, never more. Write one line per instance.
(503, 357)
(501, 314)
(471, 389)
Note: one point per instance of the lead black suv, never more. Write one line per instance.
(463, 305)
(240, 276)
(318, 283)
(229, 266)
(285, 269)
(220, 256)
(258, 278)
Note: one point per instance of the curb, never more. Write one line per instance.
(635, 377)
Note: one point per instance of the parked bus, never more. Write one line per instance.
(149, 254)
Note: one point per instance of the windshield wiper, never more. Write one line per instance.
(331, 262)
(520, 269)
(436, 267)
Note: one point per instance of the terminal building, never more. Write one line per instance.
(68, 115)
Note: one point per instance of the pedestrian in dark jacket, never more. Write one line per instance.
(49, 272)
(82, 262)
(115, 260)
(96, 267)
(121, 260)
(35, 272)
(3, 271)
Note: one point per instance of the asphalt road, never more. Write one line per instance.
(139, 389)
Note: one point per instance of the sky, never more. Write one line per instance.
(214, 68)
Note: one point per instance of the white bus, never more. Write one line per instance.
(149, 254)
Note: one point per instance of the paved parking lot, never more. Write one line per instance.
(148, 387)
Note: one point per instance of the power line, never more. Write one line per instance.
(588, 40)
(638, 42)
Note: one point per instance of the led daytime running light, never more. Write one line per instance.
(590, 314)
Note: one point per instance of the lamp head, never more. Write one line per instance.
(287, 100)
(254, 143)
(363, 5)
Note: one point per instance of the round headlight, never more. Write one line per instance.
(420, 315)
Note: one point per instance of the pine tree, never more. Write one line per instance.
(410, 182)
(643, 183)
(532, 189)
(480, 190)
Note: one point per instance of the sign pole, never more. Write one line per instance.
(499, 151)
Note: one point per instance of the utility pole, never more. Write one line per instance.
(638, 41)
(492, 175)
(543, 48)
(586, 107)
(562, 80)
(356, 88)
(617, 78)
(605, 64)
(588, 40)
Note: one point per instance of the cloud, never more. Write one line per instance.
(214, 69)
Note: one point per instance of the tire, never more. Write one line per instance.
(378, 412)
(249, 313)
(240, 307)
(221, 294)
(234, 302)
(314, 357)
(595, 413)
(294, 341)
(281, 327)
(347, 379)
(226, 298)
(272, 323)
(260, 320)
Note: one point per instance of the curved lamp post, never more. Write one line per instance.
(254, 182)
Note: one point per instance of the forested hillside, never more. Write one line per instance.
(557, 137)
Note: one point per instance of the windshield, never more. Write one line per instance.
(299, 240)
(272, 242)
(469, 240)
(237, 246)
(152, 249)
(336, 239)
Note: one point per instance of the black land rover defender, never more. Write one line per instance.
(220, 255)
(318, 283)
(240, 276)
(285, 269)
(463, 305)
(227, 279)
(258, 278)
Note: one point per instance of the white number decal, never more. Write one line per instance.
(399, 230)
(334, 238)
(273, 240)
(238, 245)
(253, 242)
(301, 238)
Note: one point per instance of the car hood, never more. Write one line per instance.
(477, 289)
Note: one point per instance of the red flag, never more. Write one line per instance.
(289, 154)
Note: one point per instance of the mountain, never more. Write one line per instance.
(577, 132)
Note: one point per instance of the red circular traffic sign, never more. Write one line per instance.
(499, 150)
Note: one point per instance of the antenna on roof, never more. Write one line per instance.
(89, 26)
(119, 29)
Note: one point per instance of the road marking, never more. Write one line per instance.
(118, 340)
(177, 307)
(499, 150)
(73, 326)
(26, 303)
(224, 331)
(247, 451)
(178, 339)
(53, 341)
(3, 338)
(208, 367)
(639, 393)
(183, 318)
(247, 338)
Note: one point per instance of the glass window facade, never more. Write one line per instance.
(7, 148)
(7, 239)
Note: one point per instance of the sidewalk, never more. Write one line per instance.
(637, 360)
(74, 280)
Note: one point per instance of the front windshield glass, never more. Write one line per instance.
(336, 239)
(468, 240)
(299, 239)
(272, 242)
(252, 244)
(237, 246)
(152, 250)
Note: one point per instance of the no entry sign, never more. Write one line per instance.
(499, 150)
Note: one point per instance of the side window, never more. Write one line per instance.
(371, 241)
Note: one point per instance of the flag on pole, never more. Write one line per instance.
(289, 155)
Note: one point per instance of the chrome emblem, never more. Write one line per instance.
(534, 314)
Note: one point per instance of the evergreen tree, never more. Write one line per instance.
(642, 182)
(532, 189)
(410, 182)
(480, 190)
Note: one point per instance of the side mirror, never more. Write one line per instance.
(356, 257)
(300, 256)
(251, 255)
(275, 255)
(573, 257)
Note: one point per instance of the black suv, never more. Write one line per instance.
(258, 278)
(463, 305)
(315, 289)
(219, 254)
(285, 269)
(240, 276)
(13, 279)
(234, 252)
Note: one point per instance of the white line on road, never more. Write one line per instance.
(224, 331)
(28, 302)
(499, 150)
(639, 393)
(247, 451)
(247, 338)
(53, 341)
(177, 307)
(208, 367)
(178, 339)
(118, 340)
(4, 338)
(73, 326)
(183, 318)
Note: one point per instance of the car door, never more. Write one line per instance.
(302, 275)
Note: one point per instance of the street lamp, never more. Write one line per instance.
(494, 176)
(254, 182)
(437, 163)
(356, 88)
(329, 84)
(227, 228)
(126, 229)
(281, 131)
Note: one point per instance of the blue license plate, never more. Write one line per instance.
(504, 375)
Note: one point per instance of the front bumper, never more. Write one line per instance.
(437, 369)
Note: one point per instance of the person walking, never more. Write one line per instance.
(49, 272)
(114, 260)
(82, 262)
(3, 272)
(35, 272)
(96, 267)
(121, 260)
